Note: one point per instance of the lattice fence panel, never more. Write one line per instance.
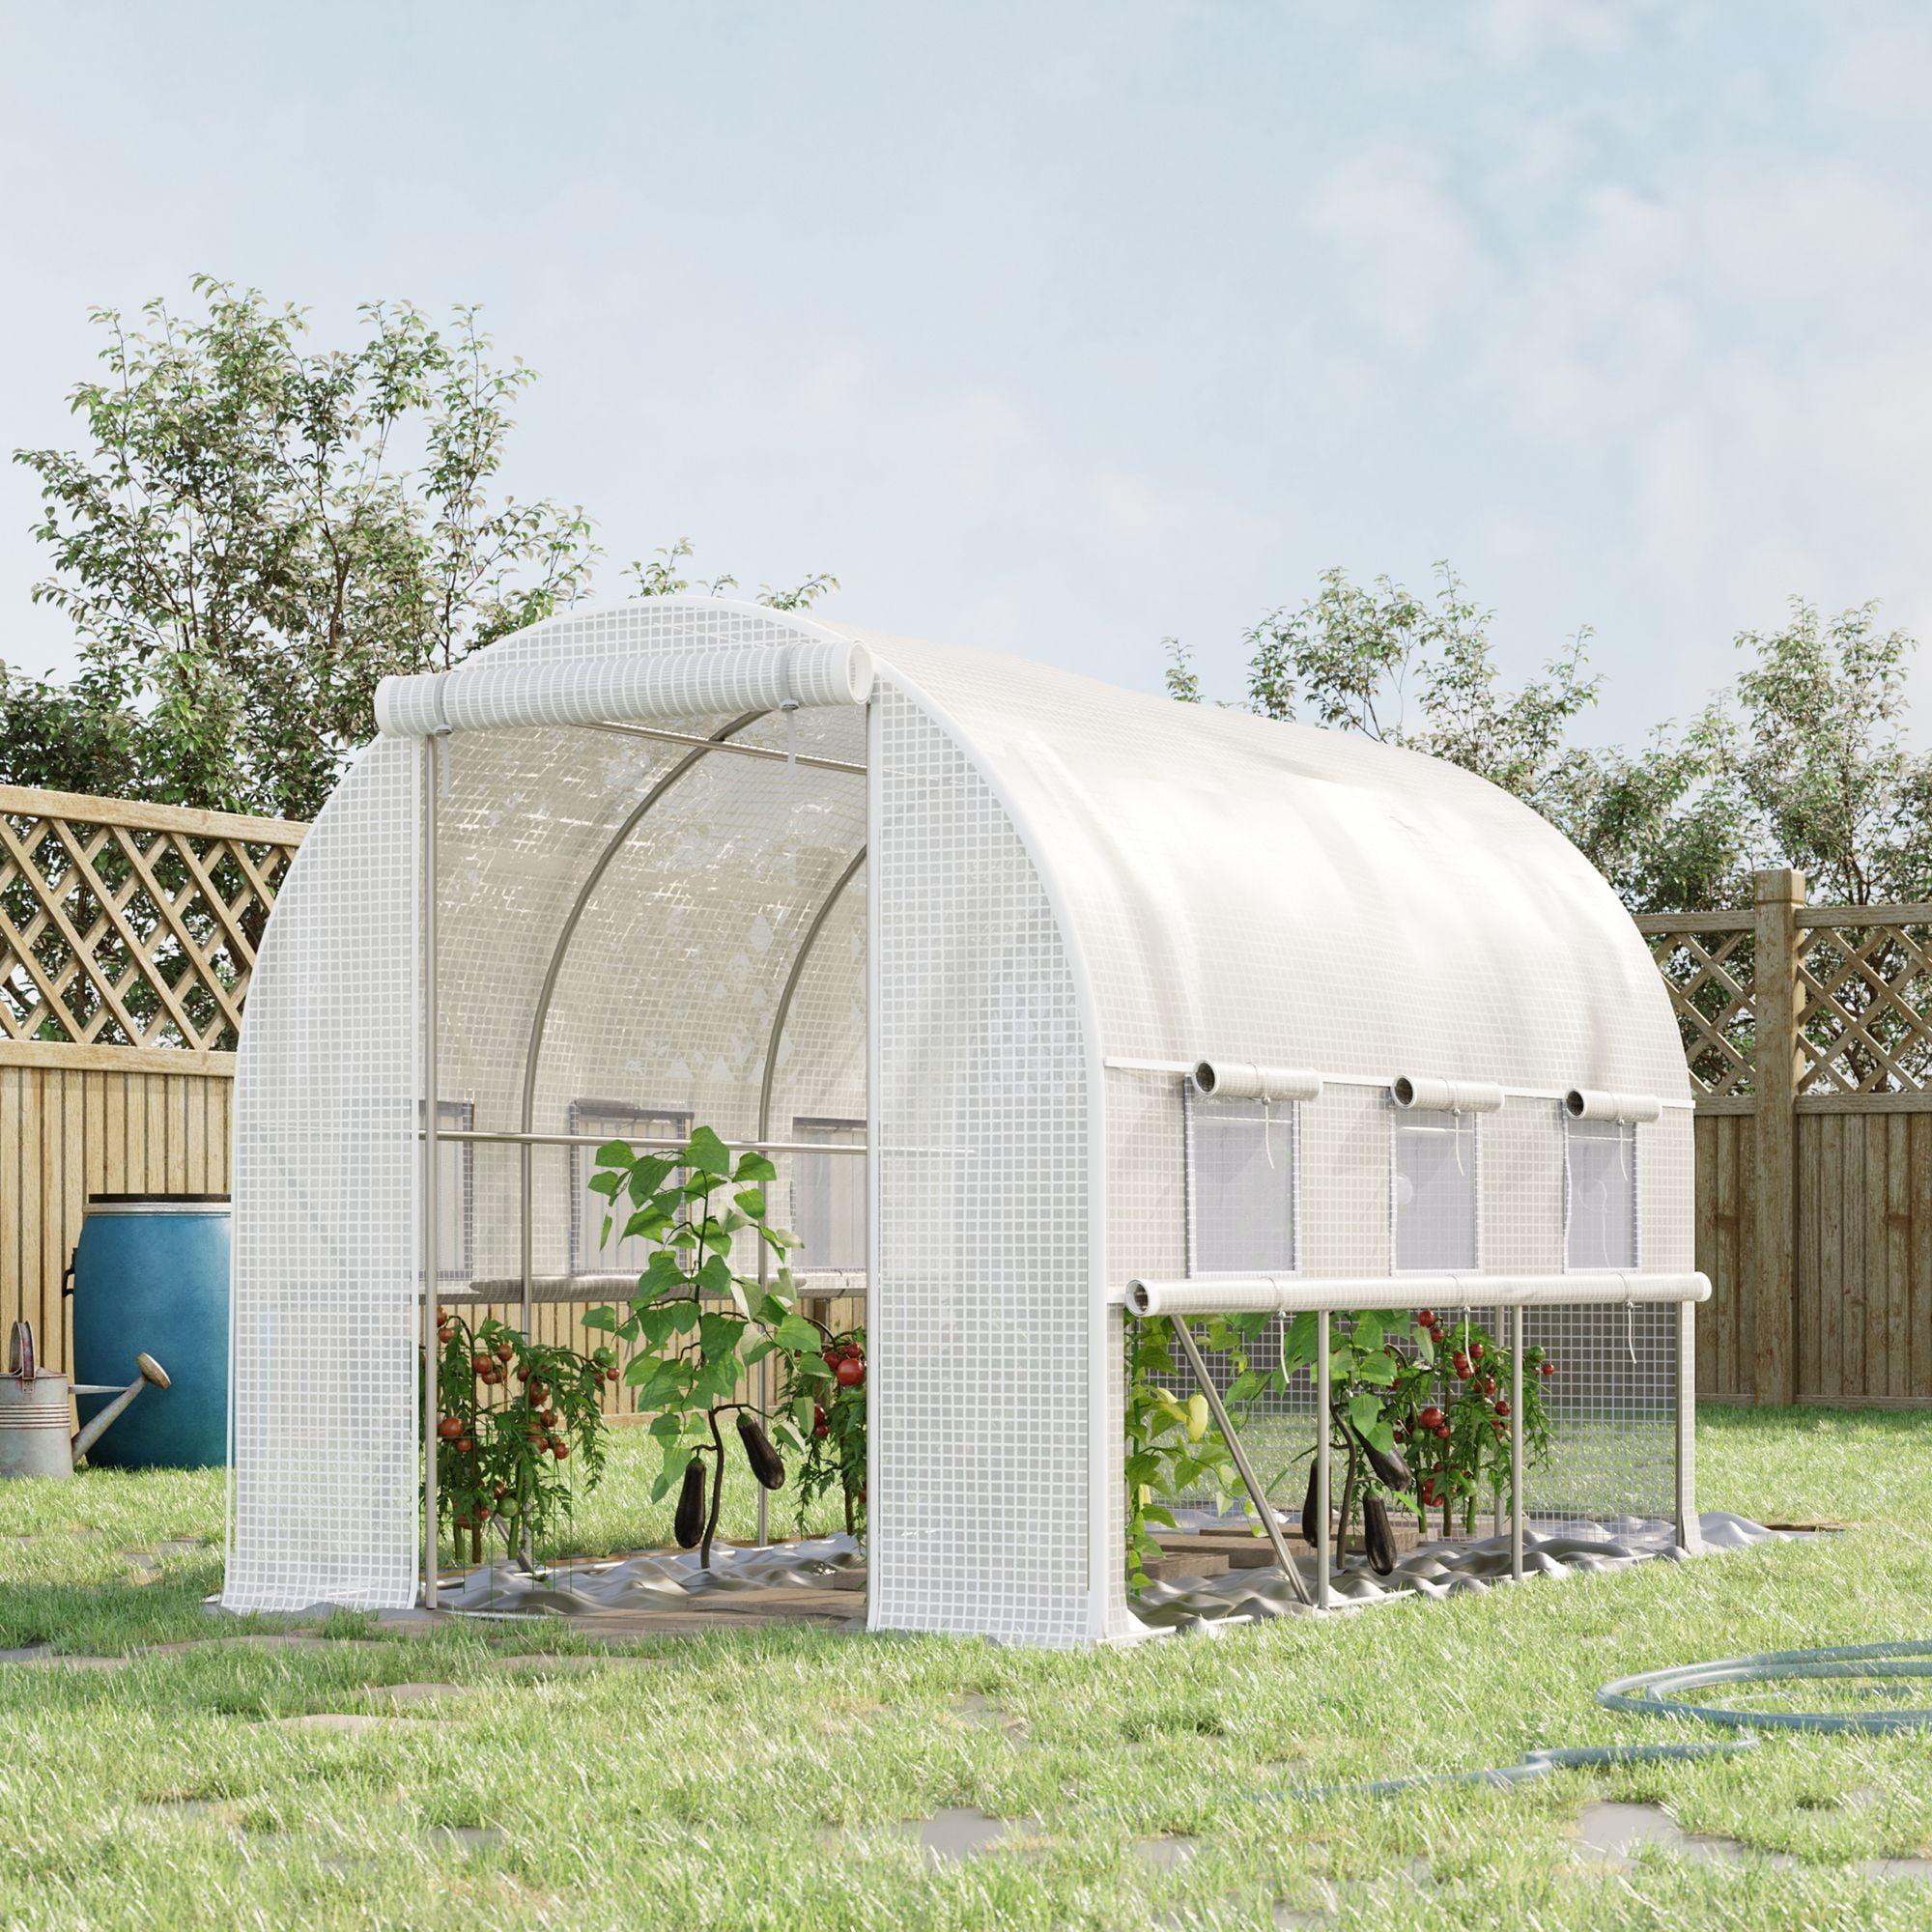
(1865, 1012)
(1706, 963)
(124, 926)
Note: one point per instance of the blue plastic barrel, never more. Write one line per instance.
(150, 1272)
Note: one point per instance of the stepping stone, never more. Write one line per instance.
(975, 1709)
(1165, 1853)
(465, 1837)
(539, 1664)
(415, 1693)
(349, 1723)
(46, 1654)
(957, 1834)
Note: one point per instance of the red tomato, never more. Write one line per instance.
(850, 1371)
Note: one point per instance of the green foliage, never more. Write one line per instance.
(835, 1446)
(512, 1412)
(661, 575)
(696, 1327)
(255, 532)
(1172, 1448)
(1803, 762)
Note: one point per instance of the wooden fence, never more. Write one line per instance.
(128, 933)
(1808, 1034)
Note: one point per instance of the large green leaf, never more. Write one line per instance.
(1365, 1412)
(604, 1319)
(605, 1185)
(707, 1153)
(798, 1334)
(752, 1166)
(718, 1334)
(615, 1153)
(648, 1176)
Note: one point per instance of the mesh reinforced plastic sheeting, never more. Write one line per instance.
(984, 1310)
(1075, 896)
(325, 1266)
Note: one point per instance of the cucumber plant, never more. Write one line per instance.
(1173, 1447)
(697, 1327)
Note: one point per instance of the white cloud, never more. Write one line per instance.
(1412, 249)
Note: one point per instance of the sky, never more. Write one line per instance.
(1064, 328)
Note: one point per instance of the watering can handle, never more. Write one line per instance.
(21, 1352)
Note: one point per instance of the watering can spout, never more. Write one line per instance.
(151, 1371)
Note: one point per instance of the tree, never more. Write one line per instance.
(1803, 762)
(661, 576)
(1411, 671)
(257, 532)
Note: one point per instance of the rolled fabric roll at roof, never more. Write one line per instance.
(1445, 1097)
(1243, 1080)
(692, 681)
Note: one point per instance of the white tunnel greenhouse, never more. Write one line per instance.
(1051, 1000)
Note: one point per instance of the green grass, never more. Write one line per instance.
(763, 1780)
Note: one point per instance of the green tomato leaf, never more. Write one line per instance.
(751, 1202)
(604, 1319)
(605, 1185)
(753, 1166)
(615, 1153)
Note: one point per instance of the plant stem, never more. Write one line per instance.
(1348, 1503)
(716, 1494)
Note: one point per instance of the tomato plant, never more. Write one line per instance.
(510, 1413)
(1420, 1410)
(835, 1446)
(698, 1326)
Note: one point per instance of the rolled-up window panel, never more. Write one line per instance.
(1586, 1103)
(1243, 1080)
(1445, 1097)
(1283, 1293)
(695, 681)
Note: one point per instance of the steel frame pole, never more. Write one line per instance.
(1324, 1518)
(1684, 1413)
(1518, 1328)
(432, 1206)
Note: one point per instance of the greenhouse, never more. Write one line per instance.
(1058, 1006)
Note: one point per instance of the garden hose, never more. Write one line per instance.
(1651, 1691)
(1886, 1670)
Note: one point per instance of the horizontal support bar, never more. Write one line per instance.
(726, 746)
(505, 1138)
(1293, 1293)
(594, 1289)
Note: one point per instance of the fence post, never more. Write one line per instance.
(1778, 898)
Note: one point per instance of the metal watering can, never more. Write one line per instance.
(35, 1438)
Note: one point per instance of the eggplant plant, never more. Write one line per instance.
(697, 1327)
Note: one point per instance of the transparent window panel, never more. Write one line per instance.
(1436, 1190)
(1241, 1187)
(1600, 1194)
(591, 1252)
(828, 1199)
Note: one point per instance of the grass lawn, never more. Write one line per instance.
(765, 1780)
